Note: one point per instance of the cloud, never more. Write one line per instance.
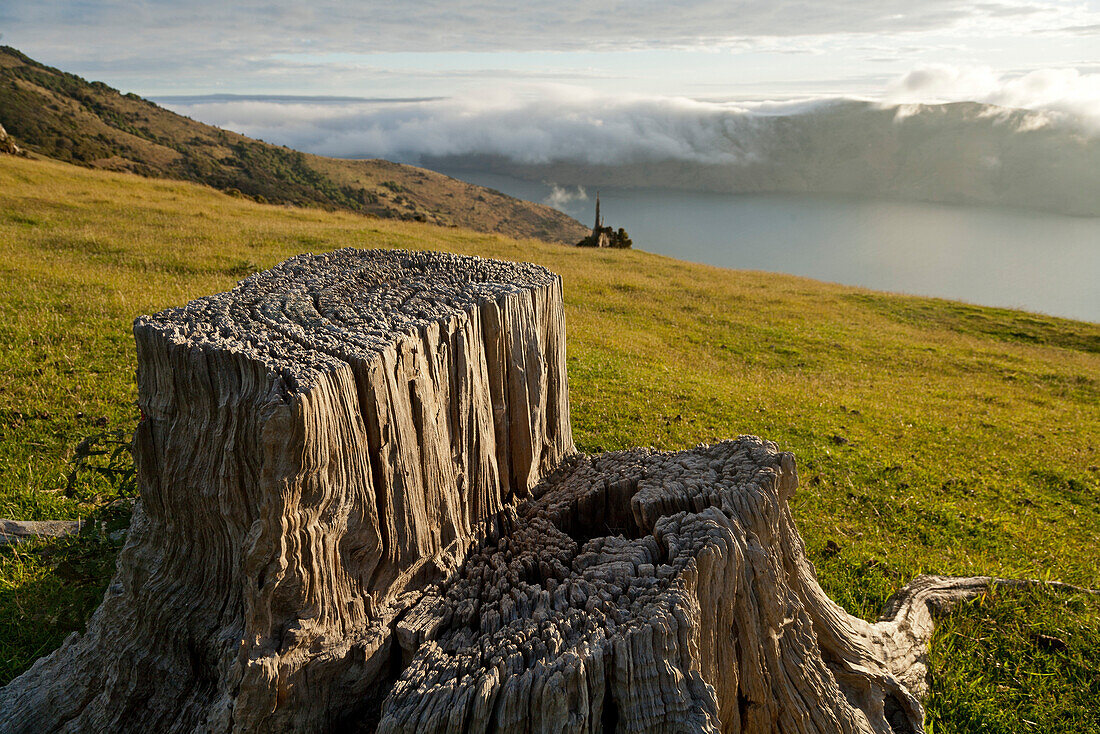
(539, 124)
(526, 123)
(1046, 156)
(1066, 91)
(432, 47)
(130, 29)
(1092, 29)
(561, 197)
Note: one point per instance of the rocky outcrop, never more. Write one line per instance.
(361, 510)
(604, 236)
(7, 145)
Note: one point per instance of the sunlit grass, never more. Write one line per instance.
(931, 436)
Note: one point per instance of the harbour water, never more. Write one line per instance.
(1048, 263)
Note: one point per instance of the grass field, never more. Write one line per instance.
(931, 436)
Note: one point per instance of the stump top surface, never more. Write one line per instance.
(601, 557)
(312, 312)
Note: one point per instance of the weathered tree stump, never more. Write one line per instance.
(361, 509)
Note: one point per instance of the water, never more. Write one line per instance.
(1034, 261)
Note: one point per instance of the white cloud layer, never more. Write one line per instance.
(1059, 90)
(527, 124)
(1045, 155)
(552, 123)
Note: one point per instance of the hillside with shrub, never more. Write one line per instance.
(59, 115)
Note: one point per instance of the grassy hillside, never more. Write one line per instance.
(930, 435)
(64, 117)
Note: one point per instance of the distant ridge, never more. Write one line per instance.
(52, 113)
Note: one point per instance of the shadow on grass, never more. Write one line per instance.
(52, 585)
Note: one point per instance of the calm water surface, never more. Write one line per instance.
(1034, 261)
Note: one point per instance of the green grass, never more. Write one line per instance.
(1019, 662)
(931, 436)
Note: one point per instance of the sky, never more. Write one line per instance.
(701, 49)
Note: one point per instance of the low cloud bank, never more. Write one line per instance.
(1065, 91)
(1029, 141)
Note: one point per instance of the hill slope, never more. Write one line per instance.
(65, 117)
(930, 435)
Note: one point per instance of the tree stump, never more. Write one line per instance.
(361, 510)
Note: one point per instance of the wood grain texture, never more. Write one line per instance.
(361, 510)
(644, 591)
(317, 445)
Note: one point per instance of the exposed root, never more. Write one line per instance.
(908, 620)
(13, 532)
